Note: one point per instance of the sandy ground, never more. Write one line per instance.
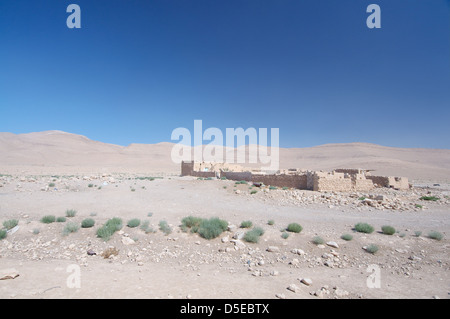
(184, 265)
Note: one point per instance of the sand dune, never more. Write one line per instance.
(63, 153)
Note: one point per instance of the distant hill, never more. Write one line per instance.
(52, 152)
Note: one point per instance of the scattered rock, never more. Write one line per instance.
(128, 241)
(273, 249)
(306, 281)
(293, 288)
(90, 252)
(333, 244)
(9, 273)
(280, 296)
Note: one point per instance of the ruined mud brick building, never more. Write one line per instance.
(339, 180)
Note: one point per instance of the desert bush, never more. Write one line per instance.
(10, 224)
(435, 235)
(71, 213)
(212, 228)
(109, 228)
(145, 226)
(246, 224)
(417, 233)
(284, 235)
(164, 227)
(110, 252)
(51, 185)
(271, 222)
(418, 206)
(347, 237)
(191, 222)
(87, 223)
(364, 228)
(70, 228)
(272, 187)
(91, 185)
(253, 192)
(135, 222)
(317, 240)
(429, 198)
(48, 219)
(3, 234)
(253, 235)
(294, 228)
(372, 248)
(241, 182)
(388, 230)
(60, 219)
(36, 231)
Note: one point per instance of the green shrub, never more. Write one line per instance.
(272, 187)
(240, 182)
(10, 224)
(364, 228)
(284, 235)
(253, 235)
(145, 226)
(48, 219)
(435, 235)
(91, 185)
(285, 188)
(51, 185)
(132, 223)
(294, 228)
(70, 228)
(164, 227)
(3, 234)
(417, 233)
(36, 231)
(87, 223)
(388, 230)
(347, 237)
(430, 198)
(71, 213)
(317, 240)
(372, 248)
(246, 224)
(362, 198)
(253, 192)
(212, 228)
(271, 222)
(60, 219)
(109, 228)
(418, 206)
(191, 222)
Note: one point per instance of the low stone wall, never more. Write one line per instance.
(327, 184)
(237, 176)
(281, 180)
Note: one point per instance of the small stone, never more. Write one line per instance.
(225, 239)
(333, 244)
(273, 249)
(90, 252)
(127, 241)
(9, 273)
(274, 273)
(293, 288)
(280, 296)
(306, 281)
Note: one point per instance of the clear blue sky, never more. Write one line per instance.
(138, 69)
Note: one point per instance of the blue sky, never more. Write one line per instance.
(137, 69)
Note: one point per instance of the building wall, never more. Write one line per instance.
(282, 180)
(237, 176)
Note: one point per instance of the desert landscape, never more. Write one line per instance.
(61, 192)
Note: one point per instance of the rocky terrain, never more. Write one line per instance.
(40, 260)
